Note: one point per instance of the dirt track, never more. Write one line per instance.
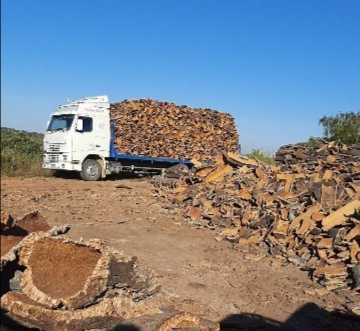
(197, 273)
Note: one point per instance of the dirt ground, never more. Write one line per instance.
(197, 273)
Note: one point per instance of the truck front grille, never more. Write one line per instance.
(54, 148)
(53, 158)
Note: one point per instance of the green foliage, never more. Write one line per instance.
(343, 128)
(21, 152)
(261, 156)
(313, 143)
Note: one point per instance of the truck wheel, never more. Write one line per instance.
(91, 170)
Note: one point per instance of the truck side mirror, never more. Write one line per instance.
(80, 125)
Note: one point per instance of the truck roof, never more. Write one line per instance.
(96, 104)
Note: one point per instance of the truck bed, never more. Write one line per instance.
(143, 161)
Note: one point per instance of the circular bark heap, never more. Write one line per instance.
(63, 273)
(68, 285)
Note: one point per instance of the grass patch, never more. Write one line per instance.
(261, 156)
(21, 153)
(314, 143)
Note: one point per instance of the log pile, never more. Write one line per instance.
(310, 217)
(51, 282)
(154, 128)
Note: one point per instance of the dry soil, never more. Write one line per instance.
(197, 273)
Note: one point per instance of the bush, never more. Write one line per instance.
(343, 128)
(21, 152)
(314, 143)
(261, 156)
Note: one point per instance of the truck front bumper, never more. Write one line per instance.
(59, 162)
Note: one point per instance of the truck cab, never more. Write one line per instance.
(78, 138)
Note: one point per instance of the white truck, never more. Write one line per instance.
(79, 137)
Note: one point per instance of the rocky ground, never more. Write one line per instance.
(197, 273)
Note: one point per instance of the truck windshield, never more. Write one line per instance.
(60, 122)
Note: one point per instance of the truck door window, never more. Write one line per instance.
(87, 123)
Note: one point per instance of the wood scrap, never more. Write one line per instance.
(341, 215)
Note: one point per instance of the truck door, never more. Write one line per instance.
(88, 138)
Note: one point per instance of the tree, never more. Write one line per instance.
(343, 128)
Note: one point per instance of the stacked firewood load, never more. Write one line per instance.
(154, 128)
(51, 282)
(309, 218)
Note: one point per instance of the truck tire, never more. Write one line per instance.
(91, 170)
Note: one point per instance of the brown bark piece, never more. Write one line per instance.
(245, 194)
(31, 314)
(328, 174)
(354, 232)
(6, 221)
(195, 213)
(203, 172)
(325, 243)
(33, 222)
(304, 222)
(281, 228)
(60, 272)
(170, 321)
(328, 196)
(317, 215)
(235, 159)
(218, 174)
(13, 231)
(61, 269)
(341, 215)
(334, 270)
(355, 252)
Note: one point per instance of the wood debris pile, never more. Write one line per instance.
(308, 157)
(154, 128)
(51, 282)
(311, 218)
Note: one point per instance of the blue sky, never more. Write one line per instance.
(276, 66)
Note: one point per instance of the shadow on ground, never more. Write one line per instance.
(309, 317)
(75, 175)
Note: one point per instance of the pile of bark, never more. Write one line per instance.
(310, 218)
(318, 153)
(154, 128)
(51, 282)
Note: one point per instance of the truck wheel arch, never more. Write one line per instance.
(100, 161)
